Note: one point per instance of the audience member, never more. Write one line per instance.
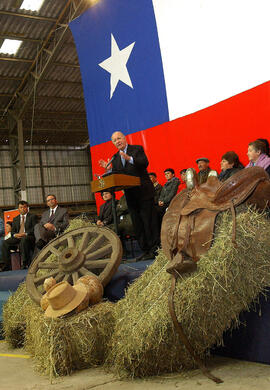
(204, 169)
(266, 143)
(8, 229)
(169, 190)
(132, 160)
(229, 164)
(105, 217)
(257, 156)
(22, 236)
(53, 221)
(183, 180)
(157, 186)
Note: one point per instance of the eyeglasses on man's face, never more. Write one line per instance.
(48, 200)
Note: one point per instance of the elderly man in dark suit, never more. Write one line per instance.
(132, 160)
(53, 221)
(22, 236)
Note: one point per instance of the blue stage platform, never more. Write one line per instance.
(251, 341)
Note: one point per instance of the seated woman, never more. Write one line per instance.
(257, 155)
(105, 217)
(229, 164)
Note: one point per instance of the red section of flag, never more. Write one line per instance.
(211, 132)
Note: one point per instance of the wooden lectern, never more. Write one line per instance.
(114, 182)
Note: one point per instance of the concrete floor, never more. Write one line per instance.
(16, 373)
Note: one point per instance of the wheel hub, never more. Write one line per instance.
(71, 259)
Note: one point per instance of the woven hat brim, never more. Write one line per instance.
(81, 293)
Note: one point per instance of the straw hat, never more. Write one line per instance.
(63, 298)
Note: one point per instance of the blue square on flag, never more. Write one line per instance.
(121, 67)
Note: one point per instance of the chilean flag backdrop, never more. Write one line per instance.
(183, 78)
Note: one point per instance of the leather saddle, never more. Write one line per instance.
(188, 225)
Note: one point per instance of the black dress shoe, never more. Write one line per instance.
(141, 256)
(147, 256)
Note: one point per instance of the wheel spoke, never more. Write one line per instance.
(55, 251)
(66, 277)
(75, 277)
(83, 271)
(94, 244)
(47, 265)
(96, 263)
(70, 241)
(59, 277)
(84, 241)
(105, 250)
(41, 279)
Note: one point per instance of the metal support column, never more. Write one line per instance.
(17, 158)
(22, 173)
(13, 145)
(92, 197)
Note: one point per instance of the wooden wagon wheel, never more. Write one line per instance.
(84, 251)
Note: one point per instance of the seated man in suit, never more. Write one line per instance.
(22, 236)
(53, 221)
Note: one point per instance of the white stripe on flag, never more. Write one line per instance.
(211, 50)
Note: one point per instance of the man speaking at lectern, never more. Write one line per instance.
(131, 160)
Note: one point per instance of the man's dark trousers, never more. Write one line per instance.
(26, 246)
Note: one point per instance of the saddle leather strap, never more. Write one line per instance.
(174, 243)
(184, 338)
(188, 232)
(195, 258)
(233, 224)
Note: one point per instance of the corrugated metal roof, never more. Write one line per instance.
(63, 73)
(50, 8)
(27, 28)
(63, 90)
(15, 69)
(62, 97)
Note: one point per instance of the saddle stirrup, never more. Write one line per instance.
(191, 178)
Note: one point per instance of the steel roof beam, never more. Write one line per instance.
(21, 37)
(69, 11)
(28, 16)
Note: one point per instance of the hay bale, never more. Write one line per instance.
(62, 345)
(207, 302)
(14, 317)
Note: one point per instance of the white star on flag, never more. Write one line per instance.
(116, 65)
